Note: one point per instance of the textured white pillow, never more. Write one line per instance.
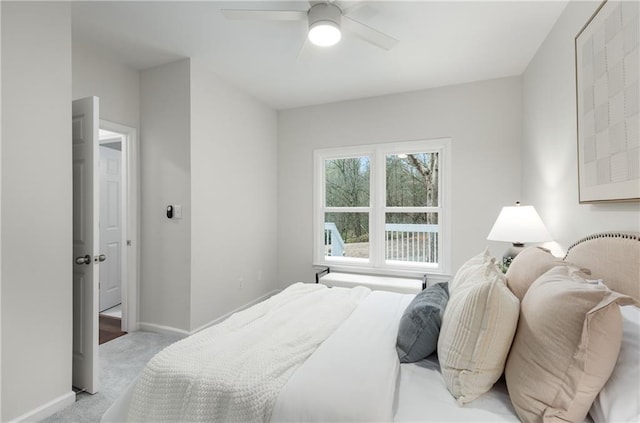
(619, 399)
(473, 270)
(477, 329)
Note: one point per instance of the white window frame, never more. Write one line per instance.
(376, 263)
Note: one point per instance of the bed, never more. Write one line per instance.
(312, 353)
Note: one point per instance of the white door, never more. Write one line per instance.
(110, 226)
(85, 244)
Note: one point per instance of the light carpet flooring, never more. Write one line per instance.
(121, 360)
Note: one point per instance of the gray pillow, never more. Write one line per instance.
(420, 323)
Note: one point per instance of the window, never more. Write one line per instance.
(383, 207)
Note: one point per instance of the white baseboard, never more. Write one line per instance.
(167, 330)
(243, 307)
(48, 409)
(152, 327)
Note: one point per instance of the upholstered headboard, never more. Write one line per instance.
(613, 257)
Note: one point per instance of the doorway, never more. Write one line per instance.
(118, 288)
(113, 205)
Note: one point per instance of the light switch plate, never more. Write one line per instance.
(177, 211)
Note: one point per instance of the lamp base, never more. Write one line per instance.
(510, 254)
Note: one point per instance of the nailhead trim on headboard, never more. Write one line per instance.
(632, 236)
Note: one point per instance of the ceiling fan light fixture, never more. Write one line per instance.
(324, 24)
(324, 34)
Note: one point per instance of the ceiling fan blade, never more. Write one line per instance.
(369, 34)
(363, 10)
(351, 6)
(304, 48)
(264, 15)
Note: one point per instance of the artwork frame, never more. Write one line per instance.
(607, 104)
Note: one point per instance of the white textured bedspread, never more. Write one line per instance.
(234, 371)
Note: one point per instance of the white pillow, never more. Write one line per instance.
(477, 329)
(480, 266)
(619, 399)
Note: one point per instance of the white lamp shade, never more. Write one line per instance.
(519, 224)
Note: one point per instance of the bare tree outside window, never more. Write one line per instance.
(347, 185)
(412, 181)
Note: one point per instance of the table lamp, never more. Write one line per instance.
(518, 224)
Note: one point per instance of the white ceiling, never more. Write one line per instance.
(441, 43)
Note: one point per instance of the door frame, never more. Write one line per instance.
(130, 254)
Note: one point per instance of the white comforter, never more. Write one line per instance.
(352, 376)
(234, 371)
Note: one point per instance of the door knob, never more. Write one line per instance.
(100, 258)
(83, 260)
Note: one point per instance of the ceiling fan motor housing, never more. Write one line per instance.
(324, 13)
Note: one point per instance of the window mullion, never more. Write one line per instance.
(413, 209)
(347, 210)
(378, 190)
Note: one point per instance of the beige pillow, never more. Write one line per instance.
(477, 329)
(528, 266)
(565, 347)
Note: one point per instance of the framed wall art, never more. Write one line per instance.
(608, 94)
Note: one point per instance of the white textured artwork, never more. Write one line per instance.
(608, 96)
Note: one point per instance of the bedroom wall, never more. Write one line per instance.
(482, 118)
(36, 209)
(117, 85)
(549, 146)
(198, 151)
(233, 197)
(165, 178)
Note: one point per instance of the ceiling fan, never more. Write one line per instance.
(326, 21)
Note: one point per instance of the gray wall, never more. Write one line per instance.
(483, 120)
(165, 178)
(36, 176)
(233, 195)
(549, 147)
(117, 85)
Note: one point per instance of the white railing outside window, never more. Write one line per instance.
(333, 242)
(404, 242)
(411, 242)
